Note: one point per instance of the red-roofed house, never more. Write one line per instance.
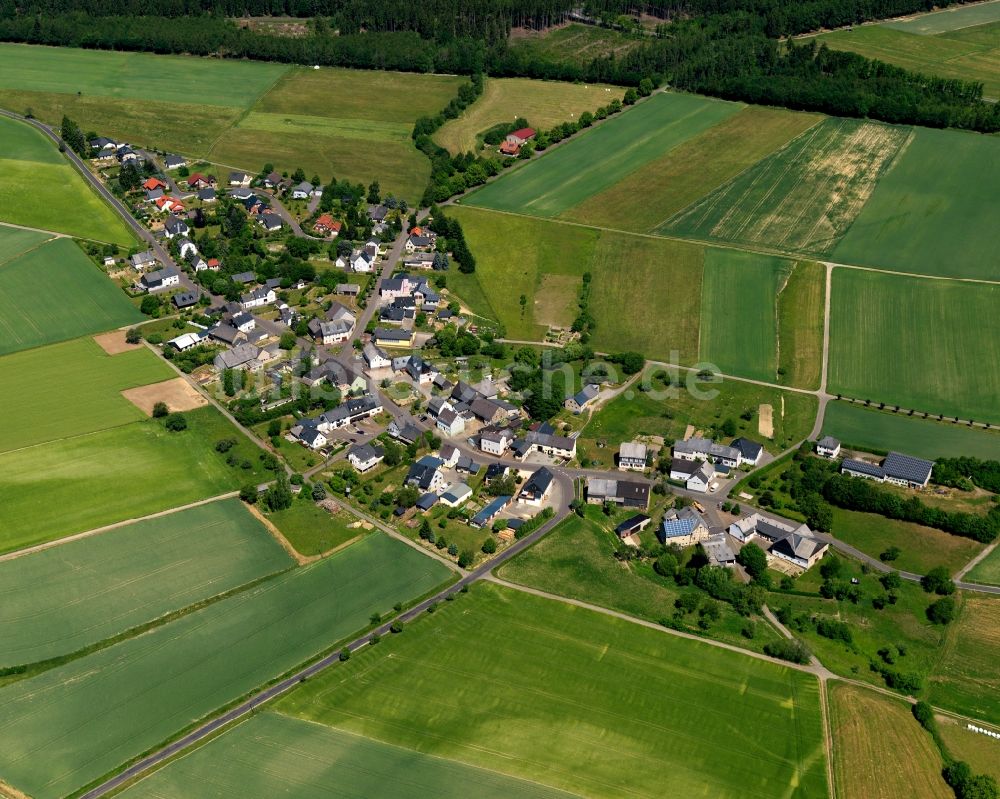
(154, 183)
(169, 204)
(327, 225)
(213, 264)
(521, 135)
(200, 181)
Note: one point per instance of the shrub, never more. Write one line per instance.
(942, 611)
(176, 422)
(790, 649)
(160, 410)
(490, 545)
(938, 581)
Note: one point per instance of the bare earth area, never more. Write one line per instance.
(114, 342)
(177, 393)
(765, 422)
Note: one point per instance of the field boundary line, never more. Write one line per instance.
(976, 560)
(906, 17)
(18, 553)
(245, 112)
(55, 234)
(73, 437)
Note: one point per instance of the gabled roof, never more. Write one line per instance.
(538, 483)
(797, 545)
(632, 450)
(906, 467)
(523, 133)
(749, 450)
(863, 467)
(828, 442)
(587, 394)
(365, 452)
(632, 524)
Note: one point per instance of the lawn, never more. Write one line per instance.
(645, 295)
(576, 560)
(647, 197)
(922, 548)
(966, 680)
(879, 750)
(804, 197)
(543, 690)
(40, 189)
(801, 309)
(70, 389)
(597, 159)
(932, 212)
(739, 309)
(543, 103)
(98, 587)
(667, 412)
(137, 76)
(275, 755)
(573, 43)
(313, 530)
(917, 343)
(69, 726)
(75, 484)
(987, 570)
(883, 430)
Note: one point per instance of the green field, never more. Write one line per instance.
(974, 748)
(543, 103)
(580, 701)
(658, 413)
(801, 310)
(917, 343)
(98, 587)
(987, 570)
(313, 530)
(39, 188)
(966, 679)
(275, 755)
(69, 726)
(933, 211)
(739, 310)
(87, 481)
(804, 197)
(15, 242)
(956, 18)
(646, 291)
(71, 389)
(865, 427)
(644, 199)
(600, 157)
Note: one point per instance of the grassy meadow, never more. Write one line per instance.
(70, 725)
(974, 748)
(39, 188)
(542, 690)
(71, 389)
(101, 586)
(966, 679)
(543, 103)
(313, 530)
(647, 197)
(597, 159)
(801, 308)
(933, 211)
(879, 750)
(883, 430)
(922, 344)
(802, 198)
(275, 755)
(987, 570)
(87, 481)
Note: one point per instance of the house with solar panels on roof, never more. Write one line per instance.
(897, 468)
(682, 528)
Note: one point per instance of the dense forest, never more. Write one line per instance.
(726, 48)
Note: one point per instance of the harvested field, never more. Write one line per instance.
(978, 750)
(966, 679)
(114, 342)
(802, 198)
(178, 394)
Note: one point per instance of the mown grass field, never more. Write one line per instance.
(87, 481)
(933, 211)
(576, 560)
(922, 548)
(645, 296)
(539, 689)
(54, 292)
(313, 530)
(801, 308)
(276, 755)
(68, 726)
(573, 43)
(947, 20)
(597, 159)
(923, 344)
(987, 570)
(802, 198)
(543, 103)
(644, 199)
(70, 389)
(39, 188)
(624, 418)
(14, 242)
(966, 679)
(882, 430)
(976, 749)
(739, 312)
(879, 750)
(62, 599)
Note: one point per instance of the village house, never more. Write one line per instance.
(336, 328)
(154, 183)
(207, 195)
(270, 222)
(257, 298)
(175, 226)
(681, 470)
(186, 341)
(496, 441)
(828, 447)
(456, 495)
(701, 478)
(365, 457)
(537, 488)
(200, 181)
(418, 242)
(174, 162)
(310, 435)
(683, 528)
(142, 260)
(425, 474)
(186, 247)
(584, 397)
(750, 451)
(449, 455)
(184, 299)
(350, 412)
(302, 191)
(703, 449)
(241, 179)
(375, 357)
(450, 423)
(632, 456)
(243, 357)
(243, 321)
(546, 443)
(511, 145)
(786, 540)
(160, 280)
(392, 337)
(620, 492)
(718, 551)
(326, 225)
(227, 334)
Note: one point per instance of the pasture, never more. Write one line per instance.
(802, 198)
(543, 103)
(120, 701)
(966, 679)
(879, 750)
(864, 427)
(917, 343)
(647, 197)
(99, 587)
(539, 689)
(275, 755)
(70, 389)
(739, 309)
(598, 158)
(83, 482)
(933, 211)
(39, 188)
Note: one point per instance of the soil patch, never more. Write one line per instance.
(114, 342)
(177, 393)
(765, 423)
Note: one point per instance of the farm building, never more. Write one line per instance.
(897, 468)
(486, 516)
(632, 456)
(620, 492)
(633, 525)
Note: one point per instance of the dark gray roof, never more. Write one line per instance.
(365, 452)
(750, 450)
(829, 442)
(630, 525)
(862, 467)
(538, 483)
(906, 467)
(185, 299)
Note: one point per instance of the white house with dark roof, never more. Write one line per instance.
(632, 456)
(160, 280)
(142, 260)
(362, 262)
(701, 479)
(584, 397)
(375, 357)
(257, 298)
(175, 226)
(750, 451)
(537, 488)
(496, 442)
(449, 422)
(696, 448)
(828, 447)
(365, 457)
(174, 162)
